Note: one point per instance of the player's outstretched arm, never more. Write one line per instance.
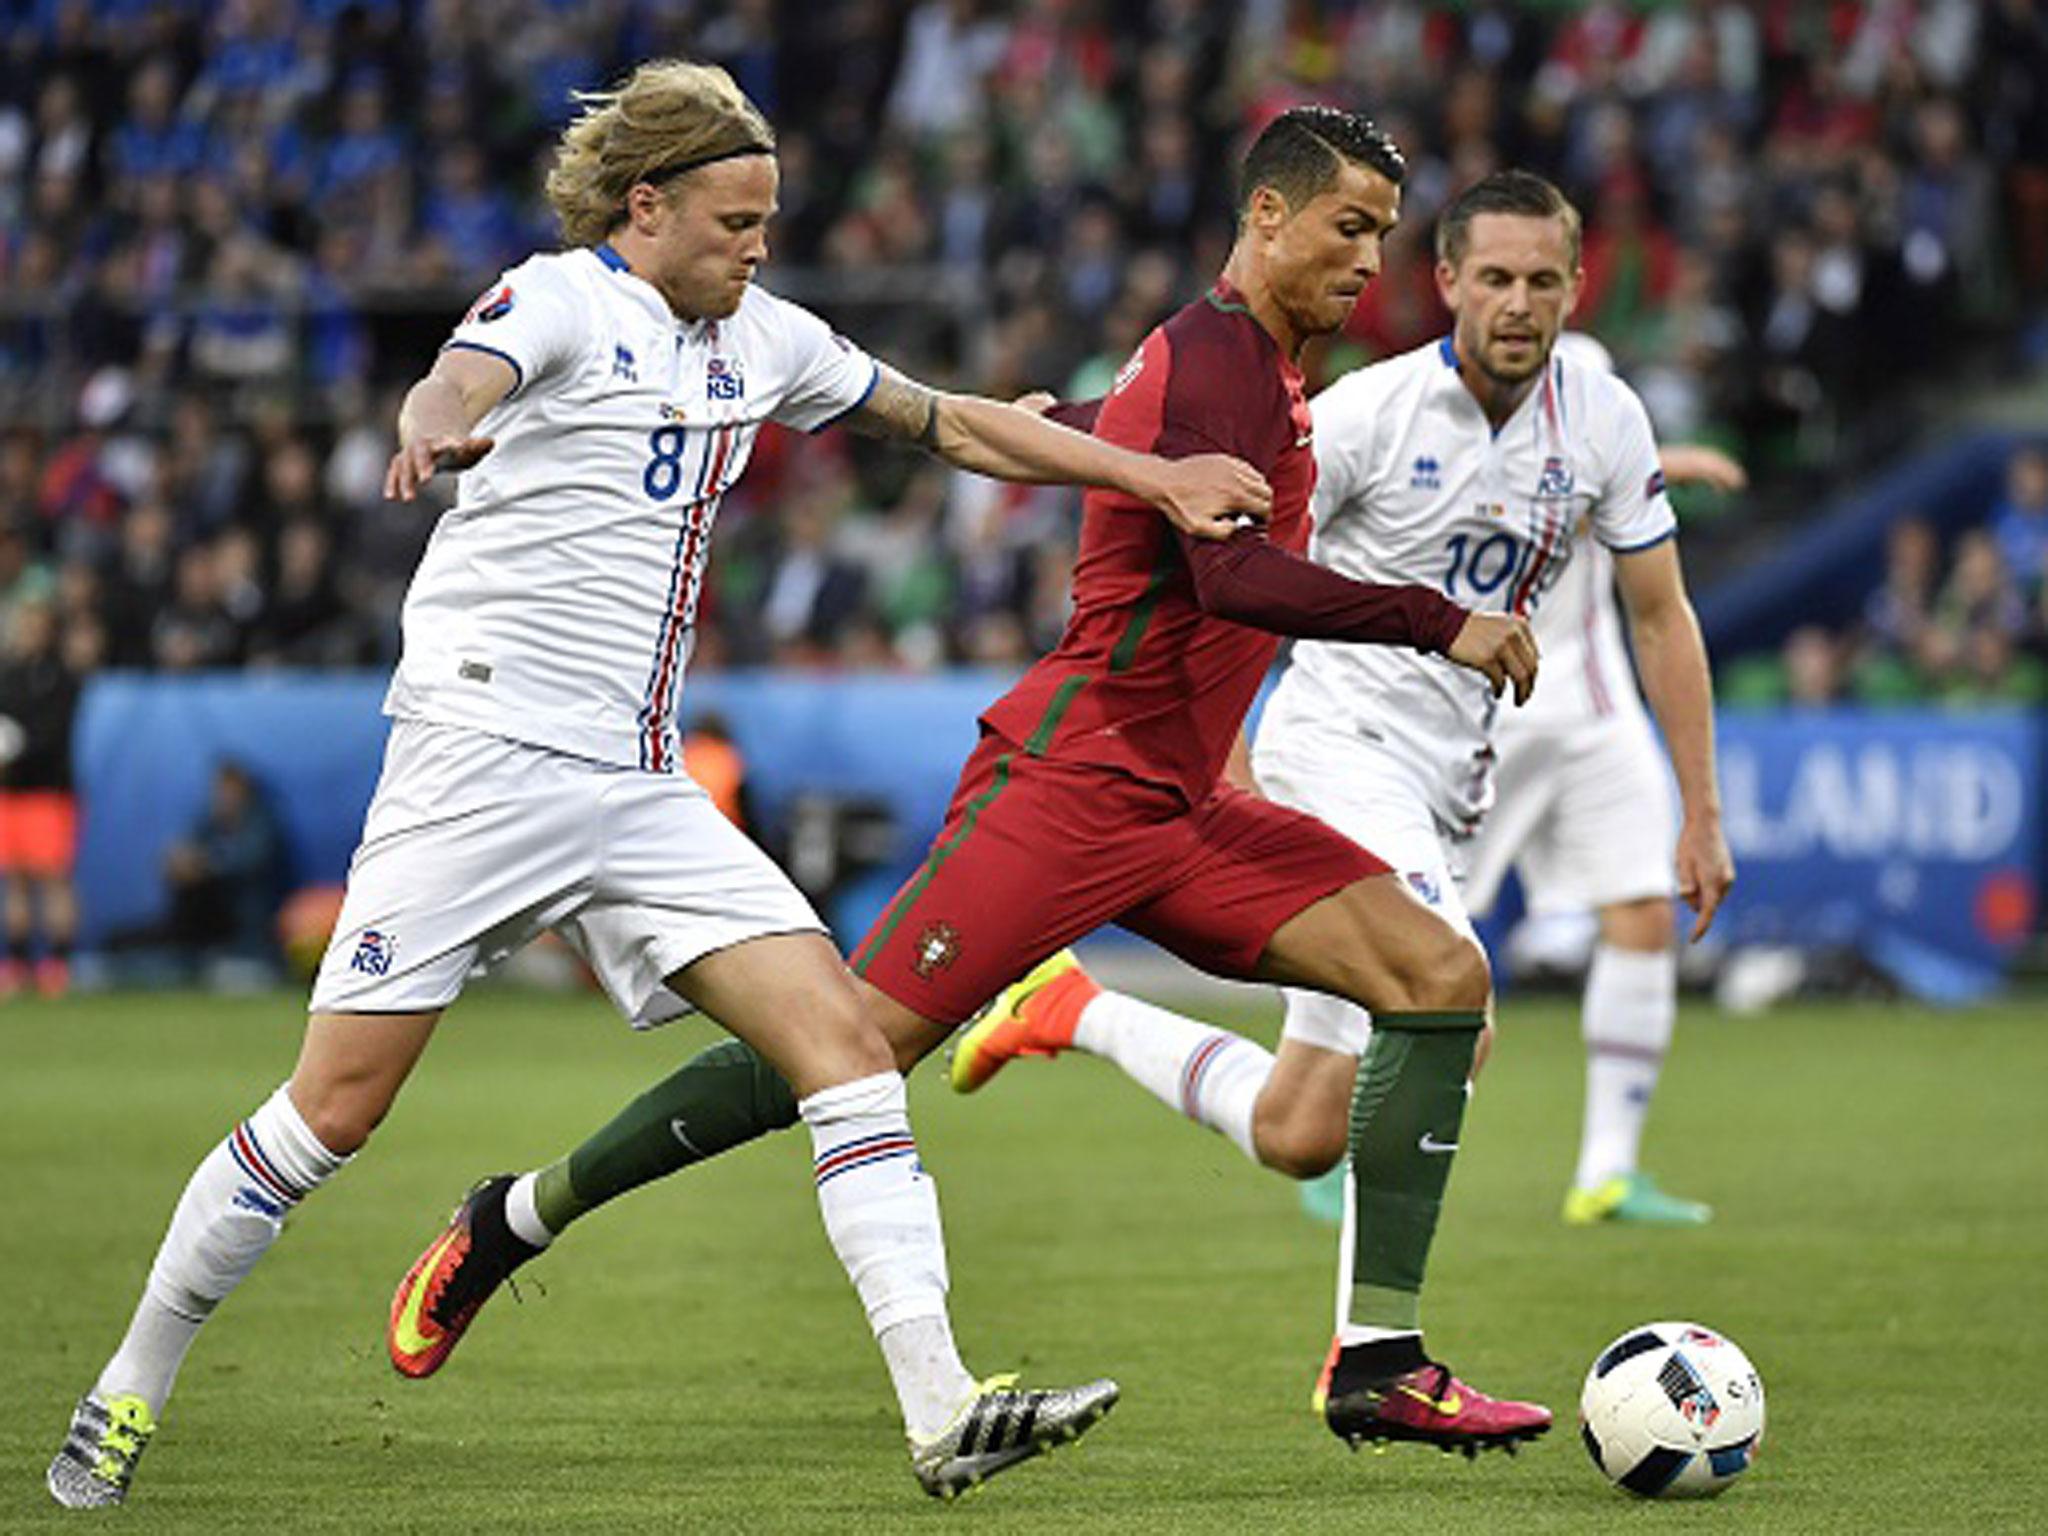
(1208, 496)
(1672, 659)
(1250, 580)
(436, 423)
(1702, 464)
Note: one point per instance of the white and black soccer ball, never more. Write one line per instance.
(1672, 1411)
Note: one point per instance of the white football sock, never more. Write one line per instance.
(931, 1384)
(522, 1215)
(1630, 1009)
(232, 1209)
(1210, 1075)
(882, 1214)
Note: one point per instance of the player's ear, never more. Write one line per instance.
(1266, 210)
(644, 205)
(1447, 284)
(1574, 284)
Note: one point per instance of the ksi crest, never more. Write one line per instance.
(1556, 481)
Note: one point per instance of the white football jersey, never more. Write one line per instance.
(1414, 485)
(1586, 673)
(557, 600)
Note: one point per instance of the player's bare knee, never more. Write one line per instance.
(341, 1115)
(849, 1042)
(1645, 925)
(1299, 1145)
(1454, 975)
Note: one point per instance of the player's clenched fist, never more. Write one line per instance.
(1501, 646)
(1212, 495)
(416, 463)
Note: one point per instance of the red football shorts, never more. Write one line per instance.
(1035, 853)
(38, 831)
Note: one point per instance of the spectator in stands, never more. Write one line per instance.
(1898, 614)
(713, 760)
(138, 588)
(810, 591)
(471, 229)
(2015, 103)
(2019, 522)
(949, 49)
(193, 633)
(225, 202)
(306, 623)
(38, 816)
(1992, 669)
(226, 879)
(905, 577)
(1813, 667)
(1979, 593)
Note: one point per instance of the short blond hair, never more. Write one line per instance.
(669, 116)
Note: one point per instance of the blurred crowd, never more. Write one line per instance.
(1965, 627)
(230, 231)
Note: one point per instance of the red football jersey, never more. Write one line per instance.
(1143, 680)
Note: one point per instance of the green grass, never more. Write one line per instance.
(697, 1361)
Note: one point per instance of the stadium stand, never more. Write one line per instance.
(226, 232)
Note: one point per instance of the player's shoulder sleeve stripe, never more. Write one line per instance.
(1649, 543)
(518, 373)
(874, 378)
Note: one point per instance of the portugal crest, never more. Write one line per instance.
(936, 948)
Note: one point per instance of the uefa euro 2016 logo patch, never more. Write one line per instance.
(373, 953)
(495, 304)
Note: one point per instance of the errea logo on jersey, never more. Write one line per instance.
(1127, 373)
(723, 380)
(1428, 474)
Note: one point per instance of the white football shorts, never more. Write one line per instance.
(1586, 816)
(1378, 801)
(474, 844)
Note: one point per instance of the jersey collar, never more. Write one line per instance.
(608, 254)
(1542, 397)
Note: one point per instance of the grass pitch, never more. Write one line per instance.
(696, 1360)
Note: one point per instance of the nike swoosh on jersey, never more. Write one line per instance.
(1429, 1143)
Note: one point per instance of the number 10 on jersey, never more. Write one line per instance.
(1479, 568)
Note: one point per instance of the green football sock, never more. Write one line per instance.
(719, 1099)
(1405, 1113)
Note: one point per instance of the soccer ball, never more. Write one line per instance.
(1672, 1411)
